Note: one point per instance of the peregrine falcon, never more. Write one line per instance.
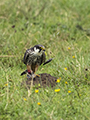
(33, 58)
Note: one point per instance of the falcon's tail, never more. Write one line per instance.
(24, 72)
(48, 61)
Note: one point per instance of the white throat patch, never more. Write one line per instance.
(36, 50)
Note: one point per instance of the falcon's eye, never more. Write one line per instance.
(42, 48)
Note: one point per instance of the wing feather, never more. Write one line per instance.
(28, 53)
(43, 58)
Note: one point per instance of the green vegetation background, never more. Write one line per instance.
(63, 27)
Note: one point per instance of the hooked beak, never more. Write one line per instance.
(43, 48)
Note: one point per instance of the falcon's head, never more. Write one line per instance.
(40, 47)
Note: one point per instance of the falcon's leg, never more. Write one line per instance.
(29, 69)
(30, 73)
(36, 68)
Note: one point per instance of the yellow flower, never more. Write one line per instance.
(36, 91)
(69, 48)
(57, 90)
(66, 82)
(69, 91)
(25, 99)
(39, 103)
(65, 68)
(6, 84)
(73, 56)
(58, 81)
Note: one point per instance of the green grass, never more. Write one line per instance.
(53, 24)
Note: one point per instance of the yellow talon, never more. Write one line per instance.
(37, 75)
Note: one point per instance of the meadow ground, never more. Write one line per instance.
(63, 27)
